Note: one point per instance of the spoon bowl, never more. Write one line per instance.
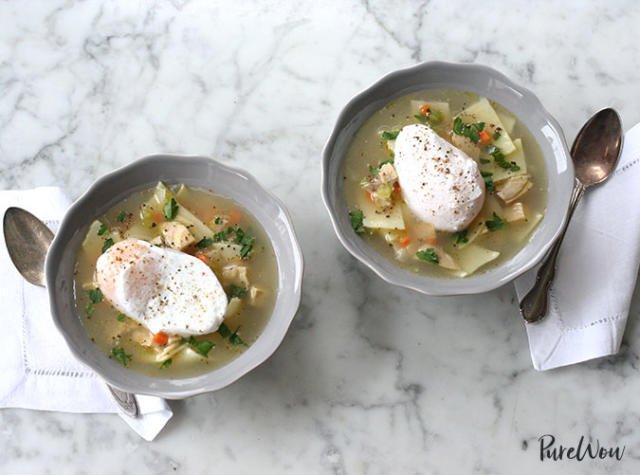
(597, 147)
(28, 240)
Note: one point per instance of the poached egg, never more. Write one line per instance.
(441, 184)
(161, 288)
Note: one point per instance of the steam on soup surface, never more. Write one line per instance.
(175, 282)
(445, 183)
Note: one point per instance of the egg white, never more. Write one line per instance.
(161, 288)
(440, 183)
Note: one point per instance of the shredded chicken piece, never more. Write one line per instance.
(380, 186)
(176, 235)
(369, 186)
(140, 335)
(513, 188)
(235, 274)
(388, 174)
(424, 231)
(445, 260)
(515, 212)
(393, 238)
(255, 295)
(157, 241)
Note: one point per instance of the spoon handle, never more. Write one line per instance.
(126, 401)
(535, 304)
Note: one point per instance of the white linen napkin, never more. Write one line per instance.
(38, 370)
(596, 271)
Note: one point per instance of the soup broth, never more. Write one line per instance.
(222, 232)
(508, 158)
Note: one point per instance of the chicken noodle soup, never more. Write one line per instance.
(445, 183)
(175, 282)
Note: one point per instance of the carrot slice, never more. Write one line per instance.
(203, 258)
(405, 241)
(161, 338)
(485, 137)
(432, 240)
(235, 216)
(424, 110)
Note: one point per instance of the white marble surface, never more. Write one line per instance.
(370, 379)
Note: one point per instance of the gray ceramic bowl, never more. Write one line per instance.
(198, 172)
(485, 82)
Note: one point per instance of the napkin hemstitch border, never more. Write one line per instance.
(25, 359)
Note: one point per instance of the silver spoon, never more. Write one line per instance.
(28, 240)
(595, 153)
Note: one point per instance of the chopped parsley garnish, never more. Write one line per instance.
(170, 210)
(488, 181)
(224, 234)
(200, 347)
(218, 220)
(103, 229)
(500, 160)
(95, 295)
(435, 116)
(166, 363)
(496, 223)
(484, 161)
(421, 118)
(247, 245)
(460, 237)
(432, 117)
(235, 339)
(107, 244)
(122, 216)
(246, 241)
(204, 242)
(471, 131)
(496, 135)
(224, 331)
(376, 171)
(122, 317)
(428, 255)
(356, 220)
(458, 126)
(236, 291)
(120, 355)
(240, 237)
(390, 135)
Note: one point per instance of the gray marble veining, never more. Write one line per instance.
(370, 379)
